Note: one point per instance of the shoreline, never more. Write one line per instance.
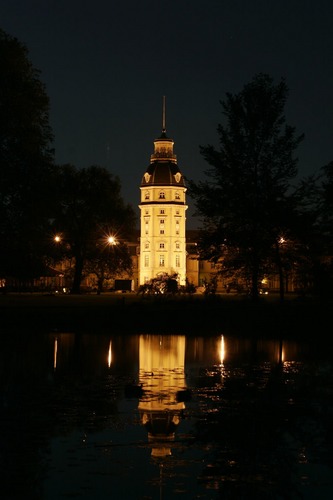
(191, 315)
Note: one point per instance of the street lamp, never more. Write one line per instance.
(111, 240)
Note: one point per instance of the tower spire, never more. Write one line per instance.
(163, 117)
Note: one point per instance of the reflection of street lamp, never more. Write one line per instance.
(110, 354)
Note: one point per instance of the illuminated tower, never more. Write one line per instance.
(163, 207)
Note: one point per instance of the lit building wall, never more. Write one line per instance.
(162, 215)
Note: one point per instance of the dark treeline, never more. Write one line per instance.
(258, 217)
(40, 200)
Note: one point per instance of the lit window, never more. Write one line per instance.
(161, 260)
(177, 261)
(146, 260)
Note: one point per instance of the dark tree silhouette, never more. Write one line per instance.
(90, 208)
(108, 260)
(326, 207)
(26, 161)
(323, 280)
(246, 205)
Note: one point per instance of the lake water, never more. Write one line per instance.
(101, 416)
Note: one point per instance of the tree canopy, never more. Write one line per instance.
(39, 198)
(246, 205)
(90, 208)
(26, 159)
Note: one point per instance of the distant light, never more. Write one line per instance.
(111, 240)
(57, 238)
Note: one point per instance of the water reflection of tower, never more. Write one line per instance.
(162, 374)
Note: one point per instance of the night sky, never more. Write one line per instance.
(107, 64)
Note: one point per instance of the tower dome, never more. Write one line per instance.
(163, 169)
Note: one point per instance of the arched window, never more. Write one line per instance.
(147, 195)
(162, 195)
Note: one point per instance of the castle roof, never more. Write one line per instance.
(163, 169)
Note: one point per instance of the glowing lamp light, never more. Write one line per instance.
(111, 240)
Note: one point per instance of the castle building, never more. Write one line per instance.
(162, 245)
(162, 214)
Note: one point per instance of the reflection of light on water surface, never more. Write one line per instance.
(222, 352)
(100, 442)
(162, 374)
(222, 356)
(110, 354)
(55, 352)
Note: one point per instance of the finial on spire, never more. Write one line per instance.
(163, 116)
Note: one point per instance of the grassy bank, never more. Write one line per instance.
(127, 313)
